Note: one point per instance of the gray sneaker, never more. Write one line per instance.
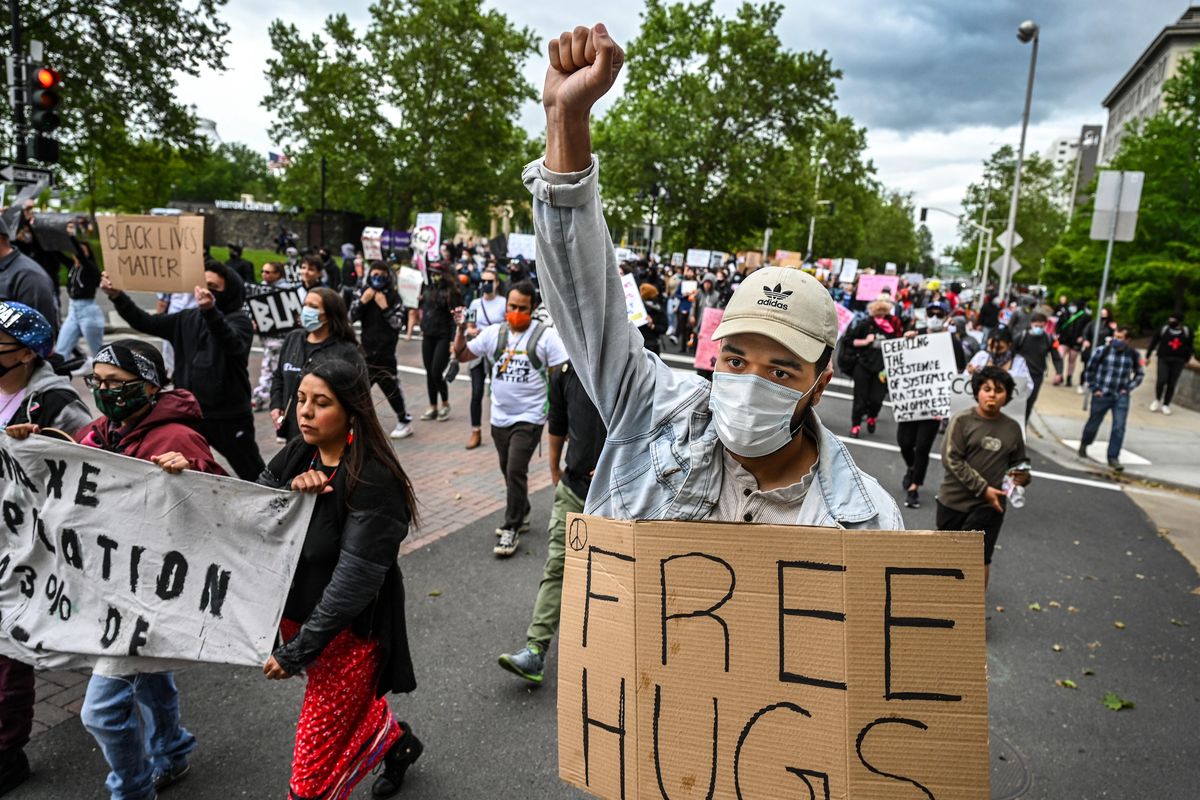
(507, 544)
(171, 776)
(528, 663)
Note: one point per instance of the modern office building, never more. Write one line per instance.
(1139, 93)
(1062, 152)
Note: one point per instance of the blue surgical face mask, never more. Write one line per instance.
(752, 415)
(1118, 344)
(310, 319)
(1037, 330)
(378, 281)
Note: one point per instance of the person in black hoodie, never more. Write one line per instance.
(381, 313)
(243, 268)
(343, 621)
(325, 334)
(84, 316)
(212, 354)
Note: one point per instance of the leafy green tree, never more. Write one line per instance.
(718, 112)
(1159, 272)
(224, 172)
(889, 234)
(417, 113)
(1041, 218)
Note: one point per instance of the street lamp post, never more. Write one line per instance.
(812, 220)
(1027, 32)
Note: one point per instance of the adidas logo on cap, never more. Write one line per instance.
(775, 297)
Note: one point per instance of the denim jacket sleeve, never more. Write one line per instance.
(632, 389)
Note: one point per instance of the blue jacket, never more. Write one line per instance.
(662, 459)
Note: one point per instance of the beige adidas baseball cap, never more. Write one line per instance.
(787, 305)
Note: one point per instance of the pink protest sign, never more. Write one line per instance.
(706, 348)
(871, 286)
(845, 316)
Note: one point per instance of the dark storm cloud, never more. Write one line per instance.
(949, 63)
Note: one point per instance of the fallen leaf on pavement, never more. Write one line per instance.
(1115, 703)
(1088, 671)
(436, 593)
(1178, 623)
(1119, 625)
(1072, 610)
(1035, 606)
(1057, 648)
(458, 496)
(1139, 576)
(1093, 645)
(1001, 610)
(1055, 604)
(1066, 683)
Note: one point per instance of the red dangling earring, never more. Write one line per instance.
(350, 439)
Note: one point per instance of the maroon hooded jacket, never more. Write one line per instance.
(168, 427)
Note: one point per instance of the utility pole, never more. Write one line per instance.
(321, 243)
(812, 220)
(17, 83)
(1028, 31)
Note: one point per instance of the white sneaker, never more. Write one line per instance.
(1154, 406)
(1166, 410)
(402, 431)
(1078, 390)
(507, 545)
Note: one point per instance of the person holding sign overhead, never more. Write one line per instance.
(343, 623)
(212, 355)
(747, 447)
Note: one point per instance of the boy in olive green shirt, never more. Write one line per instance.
(982, 445)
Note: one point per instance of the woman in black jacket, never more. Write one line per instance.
(379, 309)
(439, 297)
(343, 622)
(325, 334)
(870, 385)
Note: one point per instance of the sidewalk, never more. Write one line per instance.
(1157, 448)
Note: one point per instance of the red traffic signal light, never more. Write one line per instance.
(44, 98)
(47, 78)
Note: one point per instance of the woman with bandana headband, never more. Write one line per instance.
(134, 715)
(1001, 353)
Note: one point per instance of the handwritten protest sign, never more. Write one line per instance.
(110, 556)
(633, 301)
(706, 348)
(848, 270)
(920, 371)
(871, 286)
(427, 235)
(408, 284)
(698, 258)
(274, 311)
(153, 254)
(844, 317)
(961, 398)
(763, 661)
(372, 243)
(523, 245)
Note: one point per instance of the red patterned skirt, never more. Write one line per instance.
(344, 729)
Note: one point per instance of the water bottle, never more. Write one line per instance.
(1016, 494)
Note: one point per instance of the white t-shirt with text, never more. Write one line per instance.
(519, 392)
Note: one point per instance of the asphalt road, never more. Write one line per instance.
(1074, 545)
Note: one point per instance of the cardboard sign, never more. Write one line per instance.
(701, 660)
(698, 258)
(408, 284)
(523, 245)
(706, 348)
(633, 301)
(920, 371)
(110, 556)
(372, 243)
(788, 258)
(871, 286)
(845, 317)
(274, 312)
(427, 235)
(153, 254)
(849, 270)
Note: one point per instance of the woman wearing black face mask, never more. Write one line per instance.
(485, 311)
(439, 298)
(381, 313)
(1001, 353)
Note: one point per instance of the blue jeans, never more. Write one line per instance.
(84, 318)
(1119, 405)
(135, 720)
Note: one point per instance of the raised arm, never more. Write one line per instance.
(577, 266)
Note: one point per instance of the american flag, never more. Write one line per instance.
(278, 161)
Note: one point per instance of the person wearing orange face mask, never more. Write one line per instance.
(521, 351)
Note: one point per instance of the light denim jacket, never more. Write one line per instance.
(662, 459)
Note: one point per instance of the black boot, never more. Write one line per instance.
(403, 755)
(14, 769)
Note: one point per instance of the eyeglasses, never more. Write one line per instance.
(94, 382)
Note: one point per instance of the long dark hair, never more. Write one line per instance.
(349, 383)
(336, 316)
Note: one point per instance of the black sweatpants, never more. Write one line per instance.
(478, 375)
(435, 355)
(916, 440)
(868, 394)
(515, 445)
(234, 439)
(383, 373)
(1169, 370)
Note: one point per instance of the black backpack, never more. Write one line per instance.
(846, 355)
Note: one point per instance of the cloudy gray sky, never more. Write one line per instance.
(938, 83)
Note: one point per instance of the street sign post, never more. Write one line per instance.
(1118, 196)
(20, 174)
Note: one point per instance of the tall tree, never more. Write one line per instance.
(418, 112)
(1159, 272)
(722, 115)
(120, 61)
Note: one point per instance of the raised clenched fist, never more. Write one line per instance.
(584, 64)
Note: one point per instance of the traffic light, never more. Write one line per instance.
(44, 98)
(924, 213)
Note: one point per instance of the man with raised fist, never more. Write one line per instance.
(749, 446)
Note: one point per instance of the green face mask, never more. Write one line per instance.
(121, 404)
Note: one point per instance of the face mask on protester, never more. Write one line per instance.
(378, 281)
(1037, 330)
(487, 287)
(518, 320)
(753, 416)
(1118, 344)
(121, 404)
(1072, 308)
(999, 358)
(935, 324)
(5, 369)
(310, 319)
